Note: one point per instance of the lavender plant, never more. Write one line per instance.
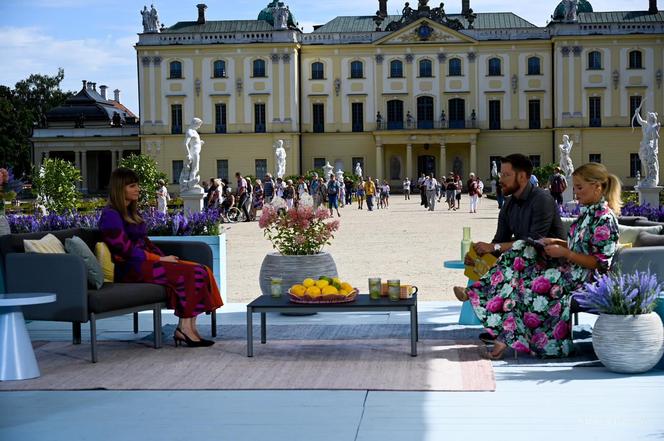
(620, 294)
(646, 210)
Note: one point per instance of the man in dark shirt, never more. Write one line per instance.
(529, 211)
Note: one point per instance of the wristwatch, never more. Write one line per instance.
(496, 248)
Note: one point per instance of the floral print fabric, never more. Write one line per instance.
(525, 298)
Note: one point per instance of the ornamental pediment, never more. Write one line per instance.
(425, 31)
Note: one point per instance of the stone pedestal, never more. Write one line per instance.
(568, 194)
(649, 195)
(493, 186)
(193, 199)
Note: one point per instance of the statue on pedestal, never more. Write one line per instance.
(340, 175)
(189, 177)
(327, 170)
(565, 160)
(150, 19)
(280, 157)
(358, 169)
(494, 170)
(649, 149)
(280, 16)
(570, 9)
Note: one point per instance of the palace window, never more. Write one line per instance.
(356, 69)
(357, 111)
(220, 118)
(175, 70)
(634, 103)
(457, 108)
(595, 60)
(319, 117)
(261, 168)
(495, 68)
(222, 168)
(595, 157)
(494, 115)
(220, 69)
(454, 67)
(595, 106)
(259, 118)
(536, 160)
(426, 70)
(634, 165)
(259, 69)
(534, 119)
(534, 67)
(396, 69)
(635, 60)
(176, 118)
(317, 71)
(394, 115)
(176, 169)
(319, 163)
(425, 112)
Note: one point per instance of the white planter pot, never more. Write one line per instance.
(628, 344)
(294, 269)
(218, 246)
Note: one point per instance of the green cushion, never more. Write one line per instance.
(77, 247)
(629, 234)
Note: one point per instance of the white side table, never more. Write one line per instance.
(17, 358)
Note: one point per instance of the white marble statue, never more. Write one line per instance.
(649, 149)
(280, 156)
(565, 160)
(327, 170)
(358, 169)
(150, 19)
(570, 9)
(189, 178)
(340, 175)
(280, 16)
(494, 169)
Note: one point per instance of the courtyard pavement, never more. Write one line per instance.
(404, 242)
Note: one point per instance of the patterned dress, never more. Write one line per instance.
(525, 298)
(190, 286)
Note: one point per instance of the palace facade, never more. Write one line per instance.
(425, 91)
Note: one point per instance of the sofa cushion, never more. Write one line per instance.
(630, 220)
(114, 296)
(103, 255)
(48, 244)
(645, 239)
(628, 234)
(647, 223)
(76, 246)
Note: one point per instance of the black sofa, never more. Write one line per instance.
(66, 276)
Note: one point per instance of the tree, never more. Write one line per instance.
(148, 175)
(55, 185)
(22, 109)
(544, 173)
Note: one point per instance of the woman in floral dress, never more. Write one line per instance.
(524, 300)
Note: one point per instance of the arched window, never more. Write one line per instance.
(356, 69)
(635, 60)
(425, 112)
(454, 67)
(396, 69)
(495, 67)
(594, 60)
(317, 71)
(426, 69)
(220, 69)
(457, 108)
(259, 68)
(175, 69)
(394, 114)
(534, 67)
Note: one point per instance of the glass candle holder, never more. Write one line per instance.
(275, 286)
(374, 288)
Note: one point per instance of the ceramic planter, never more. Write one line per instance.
(628, 344)
(294, 269)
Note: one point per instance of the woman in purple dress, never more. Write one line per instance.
(191, 288)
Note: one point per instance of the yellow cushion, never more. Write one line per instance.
(48, 244)
(624, 245)
(103, 255)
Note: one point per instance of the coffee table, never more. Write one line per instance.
(17, 358)
(362, 303)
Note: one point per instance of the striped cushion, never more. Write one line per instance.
(48, 244)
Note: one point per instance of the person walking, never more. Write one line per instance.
(557, 185)
(268, 188)
(289, 194)
(359, 192)
(257, 199)
(406, 188)
(333, 191)
(458, 190)
(472, 192)
(420, 187)
(430, 184)
(370, 191)
(242, 195)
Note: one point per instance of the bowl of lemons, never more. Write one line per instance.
(323, 290)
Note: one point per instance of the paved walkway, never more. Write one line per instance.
(405, 242)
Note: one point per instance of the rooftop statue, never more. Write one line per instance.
(150, 19)
(570, 9)
(280, 15)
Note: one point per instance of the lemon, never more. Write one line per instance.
(346, 286)
(309, 282)
(329, 290)
(322, 283)
(313, 291)
(343, 292)
(298, 290)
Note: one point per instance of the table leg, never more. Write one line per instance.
(250, 333)
(417, 324)
(413, 331)
(17, 358)
(263, 329)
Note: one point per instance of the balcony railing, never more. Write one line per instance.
(426, 125)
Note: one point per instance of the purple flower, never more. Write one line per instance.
(541, 285)
(531, 320)
(539, 340)
(561, 330)
(495, 304)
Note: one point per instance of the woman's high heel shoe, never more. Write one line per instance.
(460, 293)
(189, 342)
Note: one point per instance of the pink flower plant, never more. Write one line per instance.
(297, 231)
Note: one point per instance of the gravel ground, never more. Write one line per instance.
(405, 242)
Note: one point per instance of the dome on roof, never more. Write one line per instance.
(266, 14)
(584, 6)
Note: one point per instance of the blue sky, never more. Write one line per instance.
(93, 39)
